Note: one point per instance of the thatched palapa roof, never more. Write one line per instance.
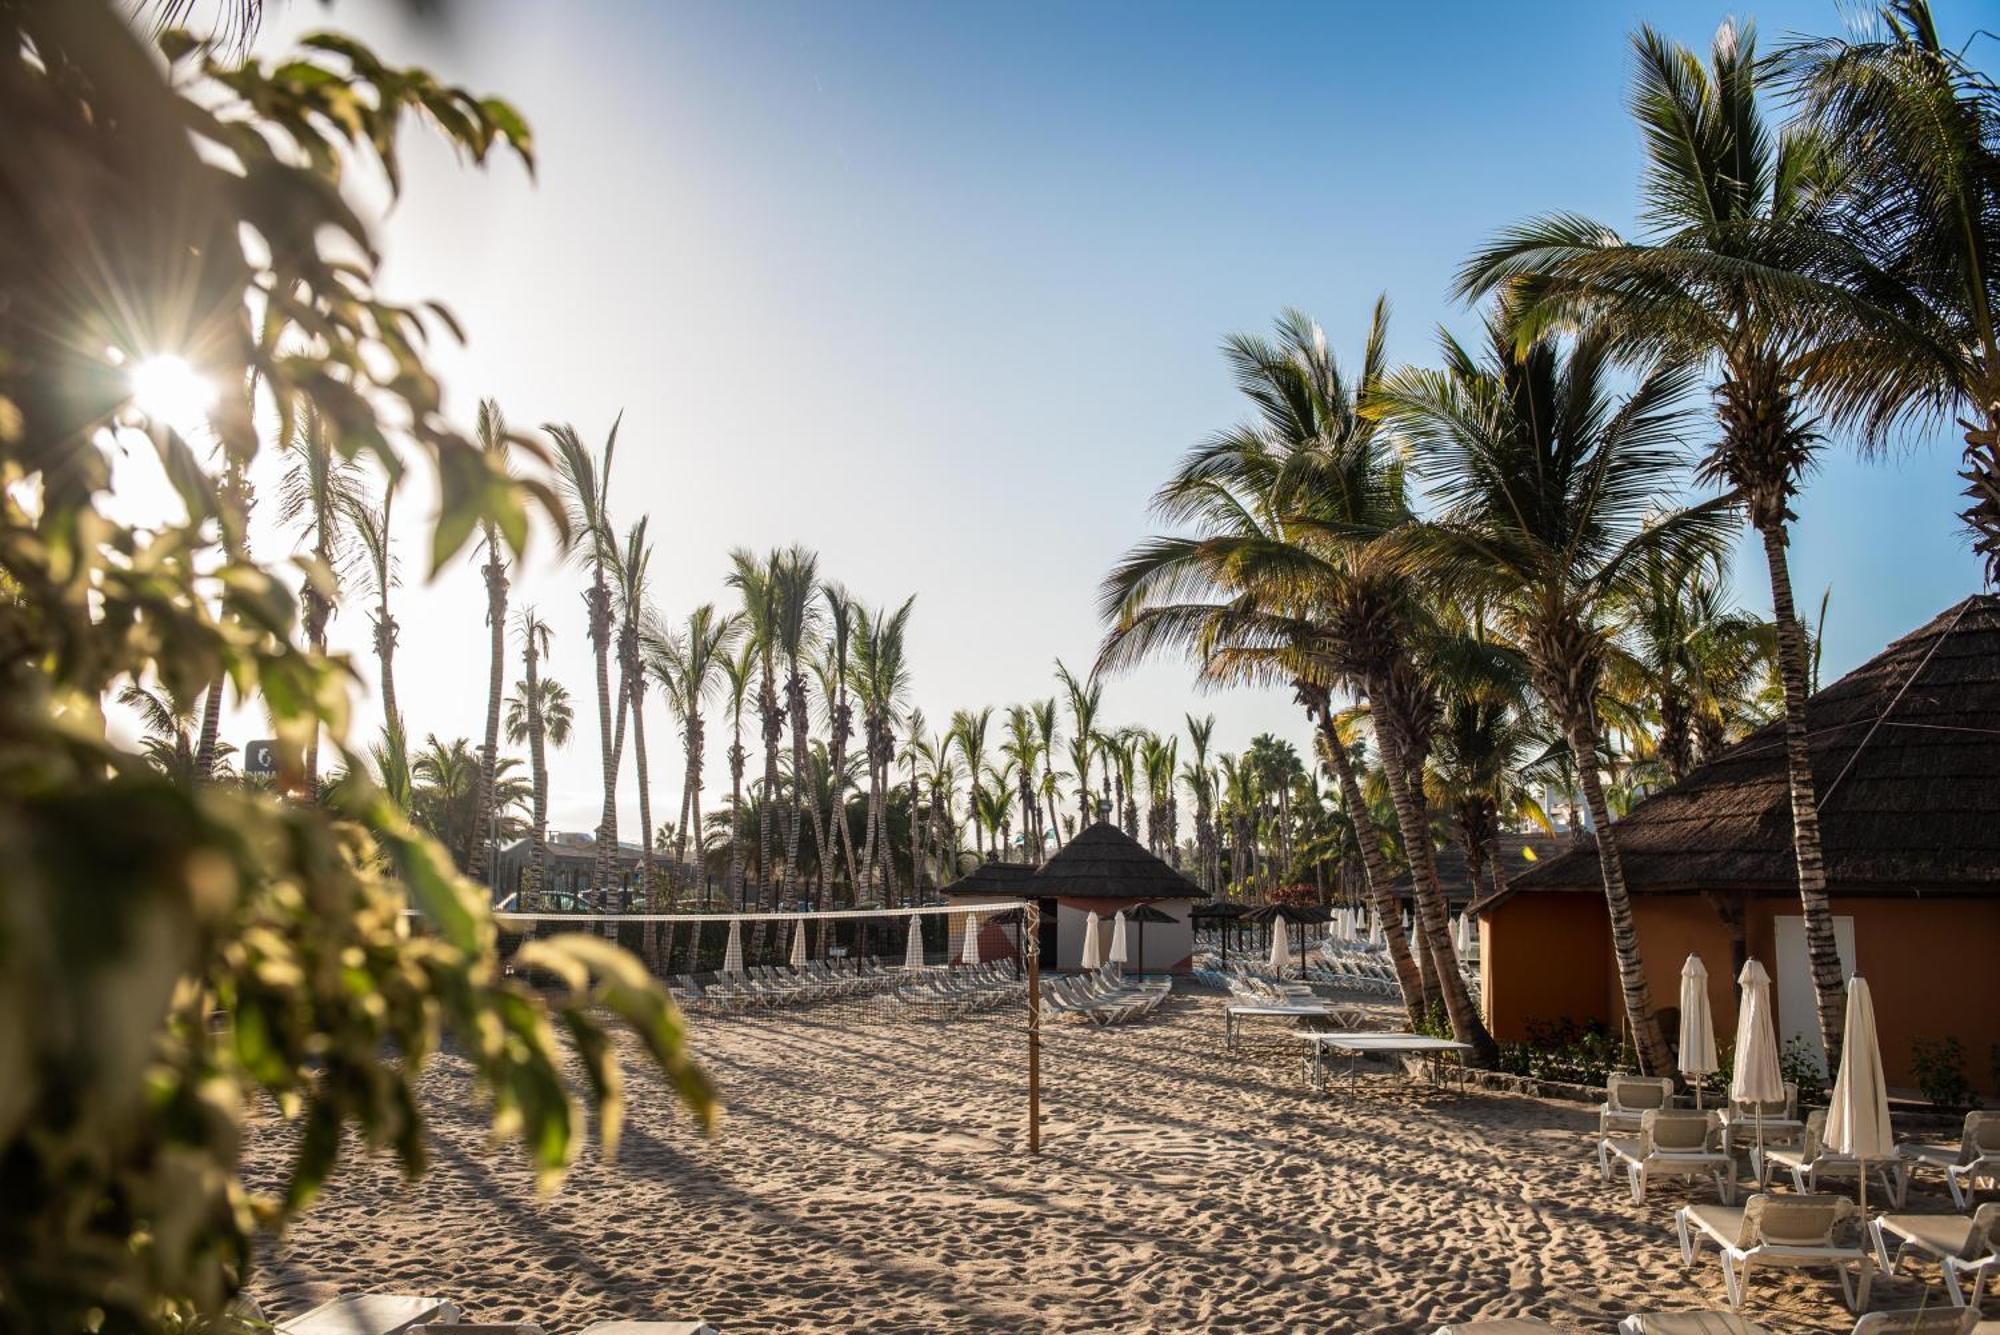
(1101, 863)
(1906, 763)
(1523, 852)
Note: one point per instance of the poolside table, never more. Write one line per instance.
(1294, 1010)
(1358, 1045)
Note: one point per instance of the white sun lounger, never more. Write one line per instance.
(650, 1328)
(1689, 1323)
(1920, 1321)
(1767, 1230)
(1962, 1246)
(1671, 1143)
(1811, 1161)
(371, 1314)
(1974, 1159)
(1628, 1098)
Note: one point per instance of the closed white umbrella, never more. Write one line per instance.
(732, 954)
(1697, 1026)
(1281, 946)
(1377, 937)
(1755, 1077)
(1093, 942)
(799, 943)
(1857, 1114)
(913, 954)
(971, 952)
(1120, 954)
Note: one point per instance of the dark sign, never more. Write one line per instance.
(260, 759)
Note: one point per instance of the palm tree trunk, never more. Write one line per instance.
(795, 702)
(484, 816)
(1647, 1035)
(1433, 921)
(1375, 875)
(737, 757)
(649, 941)
(1829, 986)
(597, 599)
(774, 733)
(538, 853)
(211, 729)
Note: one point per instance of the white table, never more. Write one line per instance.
(1357, 1045)
(1295, 1010)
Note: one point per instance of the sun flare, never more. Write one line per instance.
(171, 392)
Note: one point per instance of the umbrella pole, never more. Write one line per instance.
(1031, 947)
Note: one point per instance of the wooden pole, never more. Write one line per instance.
(1031, 950)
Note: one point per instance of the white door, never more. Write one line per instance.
(1798, 1011)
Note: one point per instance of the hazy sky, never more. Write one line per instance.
(937, 290)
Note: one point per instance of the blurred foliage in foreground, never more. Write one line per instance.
(171, 952)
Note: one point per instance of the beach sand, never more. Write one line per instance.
(871, 1174)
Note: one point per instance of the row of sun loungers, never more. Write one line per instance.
(1104, 997)
(767, 986)
(1641, 1131)
(1916, 1321)
(947, 992)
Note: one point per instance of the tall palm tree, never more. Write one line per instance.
(738, 670)
(172, 726)
(586, 488)
(495, 441)
(1290, 578)
(795, 592)
(1200, 780)
(1021, 748)
(1736, 216)
(968, 733)
(880, 679)
(1046, 731)
(1084, 702)
(1919, 126)
(1551, 487)
(635, 623)
(370, 524)
(759, 583)
(445, 794)
(840, 617)
(318, 494)
(689, 664)
(538, 713)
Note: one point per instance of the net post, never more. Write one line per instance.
(1031, 951)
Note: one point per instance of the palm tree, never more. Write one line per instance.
(759, 583)
(538, 713)
(1289, 580)
(635, 623)
(796, 585)
(737, 670)
(494, 440)
(968, 733)
(1919, 126)
(371, 532)
(880, 679)
(840, 615)
(319, 492)
(445, 795)
(1046, 729)
(1084, 701)
(1200, 781)
(1735, 214)
(689, 665)
(1550, 486)
(171, 725)
(586, 487)
(1021, 750)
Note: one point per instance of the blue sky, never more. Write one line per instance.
(937, 290)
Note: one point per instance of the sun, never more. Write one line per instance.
(171, 392)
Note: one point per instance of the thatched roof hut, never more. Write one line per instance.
(1100, 871)
(1906, 764)
(1905, 754)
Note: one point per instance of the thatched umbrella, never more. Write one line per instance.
(1143, 914)
(1221, 911)
(1296, 914)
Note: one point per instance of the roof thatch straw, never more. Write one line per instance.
(1906, 763)
(1104, 862)
(991, 878)
(1218, 910)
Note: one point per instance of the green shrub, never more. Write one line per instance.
(1940, 1069)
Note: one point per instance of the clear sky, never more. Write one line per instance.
(937, 289)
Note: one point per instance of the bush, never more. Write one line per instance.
(1940, 1069)
(1563, 1050)
(1801, 1063)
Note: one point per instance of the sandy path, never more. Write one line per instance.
(870, 1175)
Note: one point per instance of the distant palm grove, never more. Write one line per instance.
(1494, 583)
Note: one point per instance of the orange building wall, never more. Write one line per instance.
(1933, 966)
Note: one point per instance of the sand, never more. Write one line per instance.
(872, 1174)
